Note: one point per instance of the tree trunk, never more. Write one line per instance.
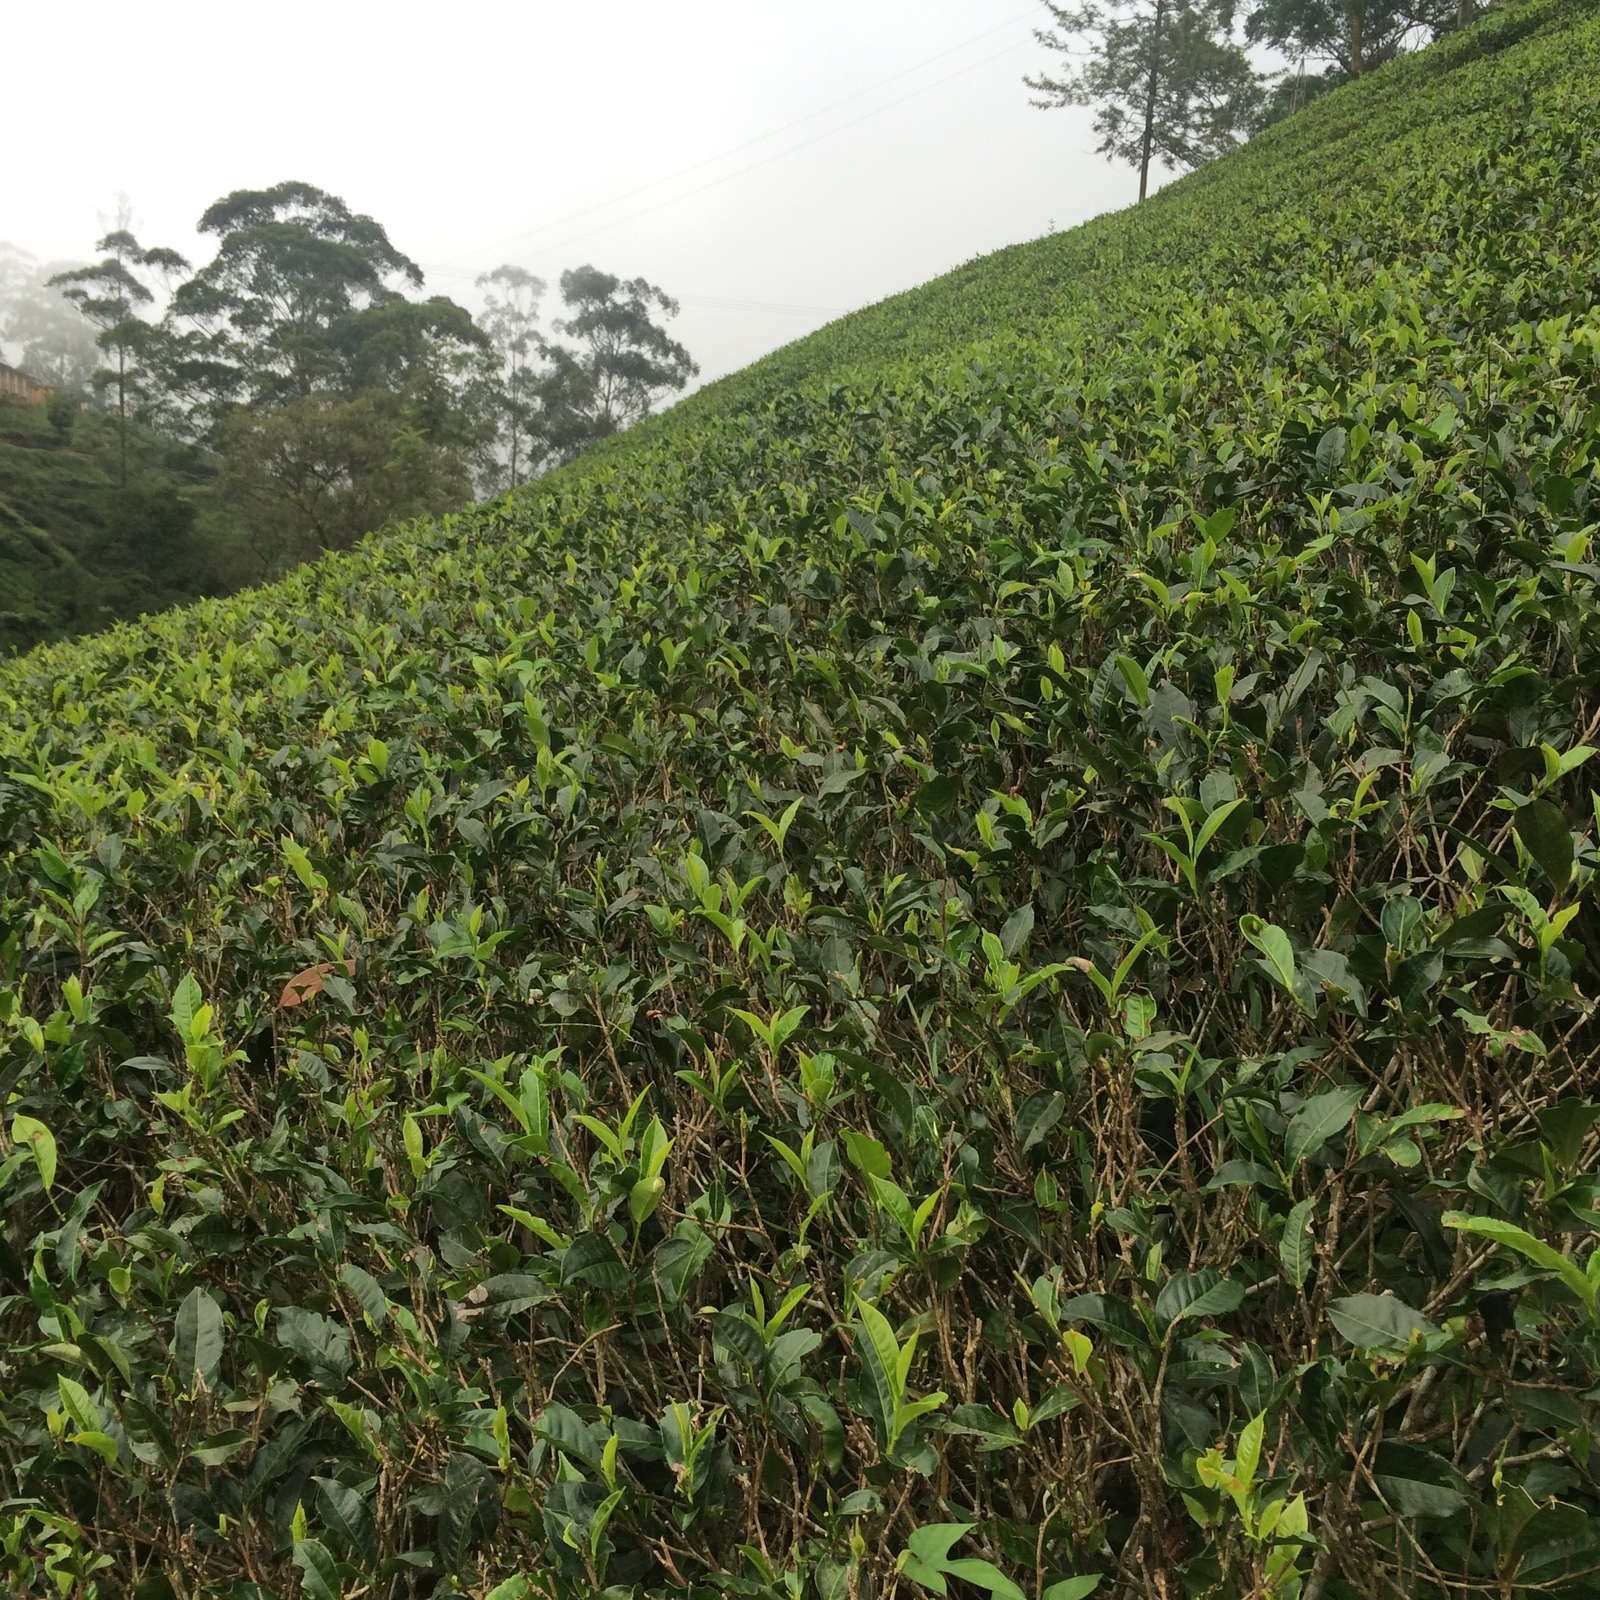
(122, 407)
(1466, 13)
(1358, 63)
(1150, 101)
(516, 421)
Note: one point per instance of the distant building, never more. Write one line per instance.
(16, 385)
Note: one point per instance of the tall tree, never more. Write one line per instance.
(110, 294)
(1353, 36)
(1168, 79)
(268, 316)
(511, 319)
(338, 401)
(624, 361)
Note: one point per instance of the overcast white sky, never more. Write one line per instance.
(770, 162)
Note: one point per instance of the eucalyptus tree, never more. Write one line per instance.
(111, 294)
(269, 314)
(339, 400)
(510, 317)
(624, 361)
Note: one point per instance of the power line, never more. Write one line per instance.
(672, 200)
(722, 303)
(645, 211)
(739, 149)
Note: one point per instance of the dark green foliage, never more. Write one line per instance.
(317, 473)
(979, 978)
(338, 403)
(622, 362)
(78, 551)
(1293, 92)
(278, 311)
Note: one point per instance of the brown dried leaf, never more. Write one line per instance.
(304, 985)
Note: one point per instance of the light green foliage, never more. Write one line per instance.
(980, 975)
(927, 1561)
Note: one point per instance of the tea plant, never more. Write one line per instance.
(972, 981)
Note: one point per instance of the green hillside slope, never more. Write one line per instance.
(1364, 151)
(956, 969)
(78, 549)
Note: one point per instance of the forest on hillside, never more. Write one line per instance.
(214, 427)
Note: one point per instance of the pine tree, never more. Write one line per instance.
(1168, 79)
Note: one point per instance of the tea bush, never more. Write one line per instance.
(976, 979)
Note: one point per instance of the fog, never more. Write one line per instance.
(771, 165)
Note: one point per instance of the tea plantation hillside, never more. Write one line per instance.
(1206, 234)
(959, 969)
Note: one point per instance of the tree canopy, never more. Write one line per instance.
(627, 360)
(110, 294)
(1168, 78)
(611, 364)
(1355, 36)
(1171, 80)
(304, 296)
